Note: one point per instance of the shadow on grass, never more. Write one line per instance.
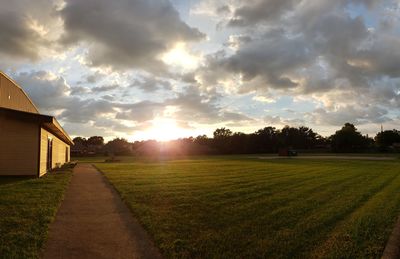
(13, 179)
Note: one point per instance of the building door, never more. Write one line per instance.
(49, 153)
(66, 155)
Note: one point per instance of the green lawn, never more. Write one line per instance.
(249, 208)
(27, 206)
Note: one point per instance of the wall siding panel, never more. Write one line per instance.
(18, 147)
(59, 150)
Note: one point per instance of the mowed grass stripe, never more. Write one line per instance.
(359, 231)
(223, 186)
(290, 234)
(317, 220)
(250, 208)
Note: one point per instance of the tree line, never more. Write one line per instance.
(265, 140)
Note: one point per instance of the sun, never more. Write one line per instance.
(163, 130)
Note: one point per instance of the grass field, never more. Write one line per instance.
(249, 208)
(27, 206)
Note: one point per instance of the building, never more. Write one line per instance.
(30, 143)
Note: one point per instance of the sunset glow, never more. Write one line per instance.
(163, 130)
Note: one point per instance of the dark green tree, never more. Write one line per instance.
(385, 139)
(348, 139)
(221, 140)
(118, 146)
(96, 141)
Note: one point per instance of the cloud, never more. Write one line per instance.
(140, 111)
(94, 77)
(17, 39)
(28, 29)
(125, 34)
(46, 90)
(105, 88)
(189, 105)
(350, 114)
(203, 108)
(341, 58)
(151, 84)
(321, 50)
(79, 90)
(53, 96)
(255, 11)
(258, 12)
(82, 111)
(277, 120)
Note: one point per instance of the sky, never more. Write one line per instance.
(147, 69)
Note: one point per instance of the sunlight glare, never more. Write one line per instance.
(163, 130)
(179, 56)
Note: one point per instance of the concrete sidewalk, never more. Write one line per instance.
(93, 222)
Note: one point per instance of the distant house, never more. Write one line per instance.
(30, 143)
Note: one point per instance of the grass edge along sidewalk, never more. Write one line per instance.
(27, 207)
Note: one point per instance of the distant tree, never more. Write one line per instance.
(96, 141)
(221, 140)
(348, 139)
(80, 141)
(238, 143)
(385, 139)
(202, 140)
(118, 146)
(80, 146)
(264, 140)
(298, 138)
(222, 133)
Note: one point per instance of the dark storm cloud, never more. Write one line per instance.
(125, 34)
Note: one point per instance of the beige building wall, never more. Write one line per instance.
(61, 151)
(13, 97)
(18, 147)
